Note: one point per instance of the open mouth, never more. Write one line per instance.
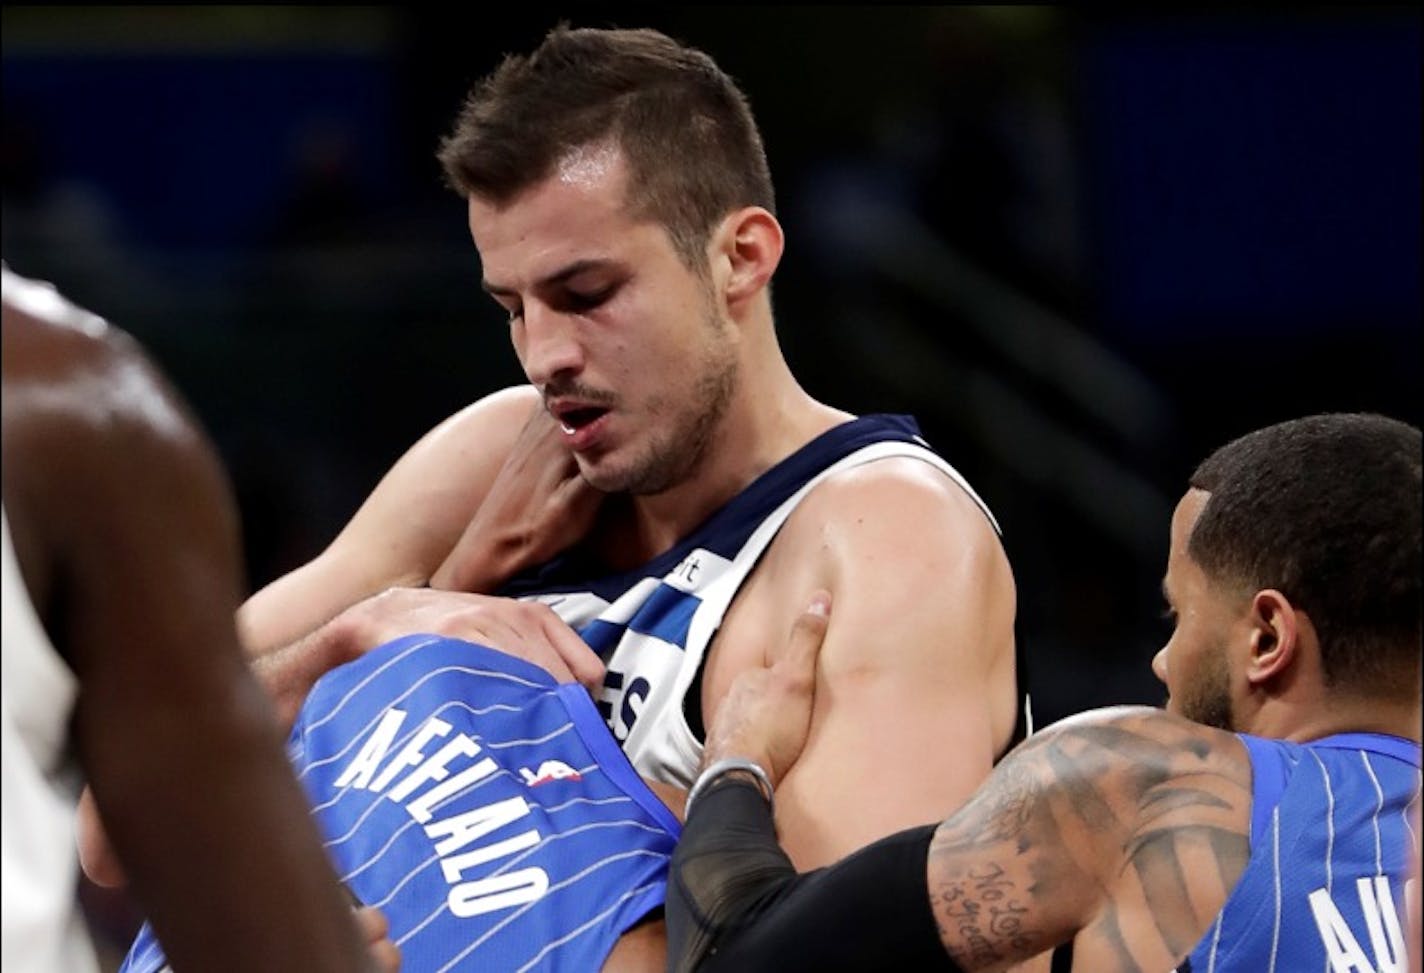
(573, 420)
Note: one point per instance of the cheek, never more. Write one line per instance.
(1174, 664)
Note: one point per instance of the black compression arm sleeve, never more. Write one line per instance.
(735, 902)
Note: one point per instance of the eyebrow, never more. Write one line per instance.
(557, 277)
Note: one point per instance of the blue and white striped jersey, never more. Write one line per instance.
(1331, 843)
(484, 808)
(652, 626)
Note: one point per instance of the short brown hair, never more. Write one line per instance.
(1325, 509)
(686, 130)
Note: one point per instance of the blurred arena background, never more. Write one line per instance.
(1082, 248)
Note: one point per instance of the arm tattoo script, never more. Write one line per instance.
(1095, 825)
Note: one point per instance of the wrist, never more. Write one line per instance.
(289, 673)
(731, 770)
(341, 639)
(728, 748)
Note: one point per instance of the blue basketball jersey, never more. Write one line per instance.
(482, 807)
(1331, 843)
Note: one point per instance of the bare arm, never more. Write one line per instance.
(537, 506)
(915, 687)
(528, 630)
(1125, 828)
(405, 530)
(138, 576)
(417, 528)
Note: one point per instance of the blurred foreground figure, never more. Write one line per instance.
(121, 662)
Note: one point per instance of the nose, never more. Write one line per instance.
(548, 345)
(1159, 665)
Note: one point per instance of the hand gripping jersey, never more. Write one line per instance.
(652, 626)
(482, 807)
(1331, 843)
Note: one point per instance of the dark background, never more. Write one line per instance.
(1083, 248)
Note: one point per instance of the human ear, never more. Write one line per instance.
(1276, 629)
(751, 242)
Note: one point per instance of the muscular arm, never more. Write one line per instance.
(915, 689)
(1126, 828)
(402, 534)
(129, 544)
(488, 493)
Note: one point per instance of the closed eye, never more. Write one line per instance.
(513, 311)
(581, 302)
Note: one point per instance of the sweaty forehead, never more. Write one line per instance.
(593, 166)
(589, 179)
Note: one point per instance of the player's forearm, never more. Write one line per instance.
(287, 609)
(217, 841)
(481, 562)
(735, 901)
(725, 863)
(288, 673)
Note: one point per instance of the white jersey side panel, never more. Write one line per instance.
(43, 928)
(663, 627)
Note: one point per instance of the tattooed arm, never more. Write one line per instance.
(1124, 828)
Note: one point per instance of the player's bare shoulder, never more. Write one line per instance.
(900, 511)
(90, 427)
(882, 487)
(1165, 770)
(47, 338)
(484, 427)
(1153, 737)
(69, 372)
(1118, 775)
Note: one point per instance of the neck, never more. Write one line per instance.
(769, 417)
(1335, 714)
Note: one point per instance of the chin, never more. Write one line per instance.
(604, 476)
(605, 484)
(639, 479)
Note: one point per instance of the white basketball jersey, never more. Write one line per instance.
(43, 928)
(652, 626)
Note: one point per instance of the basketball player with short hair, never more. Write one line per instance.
(1264, 821)
(619, 197)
